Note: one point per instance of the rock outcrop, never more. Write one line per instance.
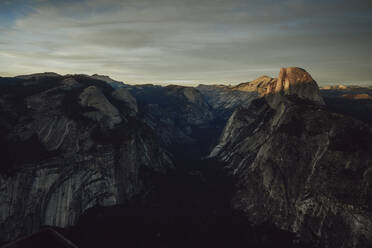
(294, 81)
(123, 95)
(259, 85)
(300, 166)
(225, 99)
(68, 144)
(93, 97)
(114, 83)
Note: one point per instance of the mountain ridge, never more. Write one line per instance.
(301, 166)
(78, 144)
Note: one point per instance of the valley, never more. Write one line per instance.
(268, 163)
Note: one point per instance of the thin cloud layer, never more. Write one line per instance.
(210, 41)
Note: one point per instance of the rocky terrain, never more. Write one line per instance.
(112, 163)
(174, 111)
(114, 83)
(300, 166)
(68, 143)
(224, 99)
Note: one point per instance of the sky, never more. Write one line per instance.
(188, 41)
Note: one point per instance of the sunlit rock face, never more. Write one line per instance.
(291, 81)
(68, 144)
(259, 85)
(300, 166)
(294, 81)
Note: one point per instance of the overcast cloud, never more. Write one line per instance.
(211, 41)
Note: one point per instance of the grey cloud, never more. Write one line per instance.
(206, 41)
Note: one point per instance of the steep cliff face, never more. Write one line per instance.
(300, 166)
(68, 144)
(293, 81)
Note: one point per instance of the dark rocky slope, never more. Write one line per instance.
(67, 144)
(301, 167)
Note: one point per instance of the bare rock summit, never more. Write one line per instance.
(294, 81)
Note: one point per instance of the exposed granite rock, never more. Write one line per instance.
(93, 97)
(259, 85)
(334, 87)
(123, 95)
(225, 99)
(294, 81)
(174, 112)
(68, 145)
(291, 81)
(301, 167)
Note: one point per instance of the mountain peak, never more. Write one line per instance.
(114, 83)
(103, 78)
(296, 81)
(38, 75)
(258, 85)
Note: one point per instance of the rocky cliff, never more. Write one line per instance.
(300, 166)
(69, 143)
(293, 81)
